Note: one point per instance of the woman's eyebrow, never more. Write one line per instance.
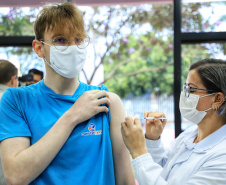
(192, 84)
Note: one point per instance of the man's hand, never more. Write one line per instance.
(88, 105)
(133, 136)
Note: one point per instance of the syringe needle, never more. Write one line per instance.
(151, 118)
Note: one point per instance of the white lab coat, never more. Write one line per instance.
(184, 163)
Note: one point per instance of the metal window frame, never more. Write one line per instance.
(186, 38)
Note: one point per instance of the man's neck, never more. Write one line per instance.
(3, 88)
(9, 84)
(61, 85)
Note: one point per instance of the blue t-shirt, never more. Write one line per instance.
(86, 157)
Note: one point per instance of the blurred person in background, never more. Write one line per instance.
(33, 77)
(37, 76)
(8, 78)
(197, 155)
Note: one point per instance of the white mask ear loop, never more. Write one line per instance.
(44, 57)
(205, 96)
(208, 109)
(46, 61)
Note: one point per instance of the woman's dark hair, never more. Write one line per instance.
(213, 75)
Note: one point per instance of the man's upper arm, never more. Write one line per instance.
(122, 163)
(10, 147)
(12, 120)
(14, 132)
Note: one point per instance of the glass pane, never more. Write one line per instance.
(17, 21)
(23, 57)
(203, 17)
(136, 106)
(195, 52)
(139, 64)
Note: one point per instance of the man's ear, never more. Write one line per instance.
(219, 99)
(37, 46)
(13, 82)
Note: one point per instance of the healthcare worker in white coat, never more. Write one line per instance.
(198, 155)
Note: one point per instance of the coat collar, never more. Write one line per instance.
(206, 144)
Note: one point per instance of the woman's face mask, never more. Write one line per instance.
(188, 107)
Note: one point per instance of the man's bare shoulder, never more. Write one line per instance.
(114, 98)
(116, 108)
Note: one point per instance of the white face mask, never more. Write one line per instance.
(188, 107)
(67, 63)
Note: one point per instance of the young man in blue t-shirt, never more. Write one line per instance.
(60, 130)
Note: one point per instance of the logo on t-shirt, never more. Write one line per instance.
(92, 130)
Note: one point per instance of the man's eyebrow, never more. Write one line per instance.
(57, 34)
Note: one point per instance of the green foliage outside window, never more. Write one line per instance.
(136, 44)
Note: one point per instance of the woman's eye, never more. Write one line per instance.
(192, 90)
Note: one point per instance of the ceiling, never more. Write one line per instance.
(39, 3)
